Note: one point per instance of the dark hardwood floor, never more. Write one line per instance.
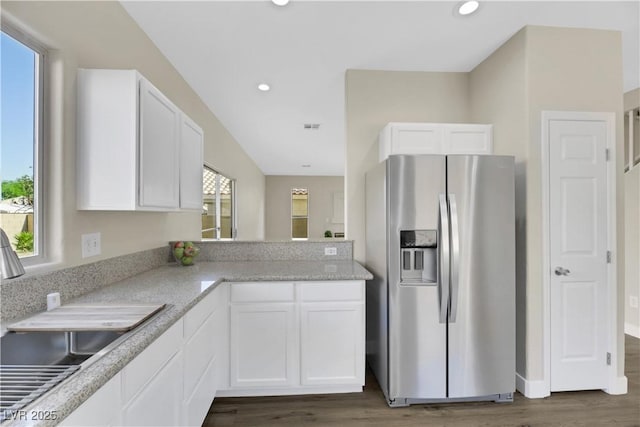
(583, 408)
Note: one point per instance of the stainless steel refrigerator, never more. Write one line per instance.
(440, 236)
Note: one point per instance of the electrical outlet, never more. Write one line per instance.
(91, 245)
(633, 302)
(330, 251)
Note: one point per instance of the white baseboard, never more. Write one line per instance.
(289, 391)
(531, 389)
(618, 386)
(633, 330)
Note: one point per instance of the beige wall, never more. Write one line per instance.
(102, 35)
(278, 204)
(579, 70)
(632, 231)
(374, 98)
(498, 95)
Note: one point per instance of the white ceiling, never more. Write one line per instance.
(223, 49)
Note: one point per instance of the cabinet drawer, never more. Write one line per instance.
(262, 292)
(160, 402)
(332, 291)
(144, 367)
(198, 404)
(199, 350)
(194, 318)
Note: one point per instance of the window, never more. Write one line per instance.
(299, 213)
(21, 88)
(218, 215)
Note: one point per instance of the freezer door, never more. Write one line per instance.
(481, 352)
(417, 338)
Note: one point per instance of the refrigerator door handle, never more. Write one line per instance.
(443, 272)
(455, 256)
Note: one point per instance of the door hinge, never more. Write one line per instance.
(608, 359)
(608, 257)
(607, 154)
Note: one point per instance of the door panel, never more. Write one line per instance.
(578, 213)
(417, 339)
(331, 347)
(159, 155)
(482, 335)
(578, 218)
(579, 333)
(263, 345)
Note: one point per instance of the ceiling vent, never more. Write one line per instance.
(313, 126)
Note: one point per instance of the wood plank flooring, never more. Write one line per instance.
(583, 408)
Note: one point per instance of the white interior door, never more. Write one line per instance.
(578, 254)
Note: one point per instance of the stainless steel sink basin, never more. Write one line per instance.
(53, 348)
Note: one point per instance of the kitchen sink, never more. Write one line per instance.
(32, 363)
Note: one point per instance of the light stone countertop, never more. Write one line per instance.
(181, 288)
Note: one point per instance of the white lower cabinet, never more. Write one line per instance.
(296, 338)
(172, 382)
(242, 339)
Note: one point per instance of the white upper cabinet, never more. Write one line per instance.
(435, 138)
(132, 146)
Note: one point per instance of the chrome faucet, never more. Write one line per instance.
(11, 265)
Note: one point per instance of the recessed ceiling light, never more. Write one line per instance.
(280, 2)
(467, 7)
(264, 87)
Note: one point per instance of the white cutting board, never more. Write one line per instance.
(88, 317)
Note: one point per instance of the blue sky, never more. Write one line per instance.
(17, 65)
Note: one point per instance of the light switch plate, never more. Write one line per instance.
(91, 245)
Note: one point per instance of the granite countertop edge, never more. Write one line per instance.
(69, 395)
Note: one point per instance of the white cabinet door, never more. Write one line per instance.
(416, 138)
(103, 408)
(160, 402)
(468, 139)
(332, 343)
(264, 345)
(191, 161)
(159, 146)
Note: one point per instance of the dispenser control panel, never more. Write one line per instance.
(419, 256)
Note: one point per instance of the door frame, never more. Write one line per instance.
(615, 385)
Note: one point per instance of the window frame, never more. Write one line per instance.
(39, 151)
(292, 217)
(631, 122)
(218, 211)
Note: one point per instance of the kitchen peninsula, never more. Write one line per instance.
(249, 318)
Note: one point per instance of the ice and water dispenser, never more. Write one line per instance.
(418, 256)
